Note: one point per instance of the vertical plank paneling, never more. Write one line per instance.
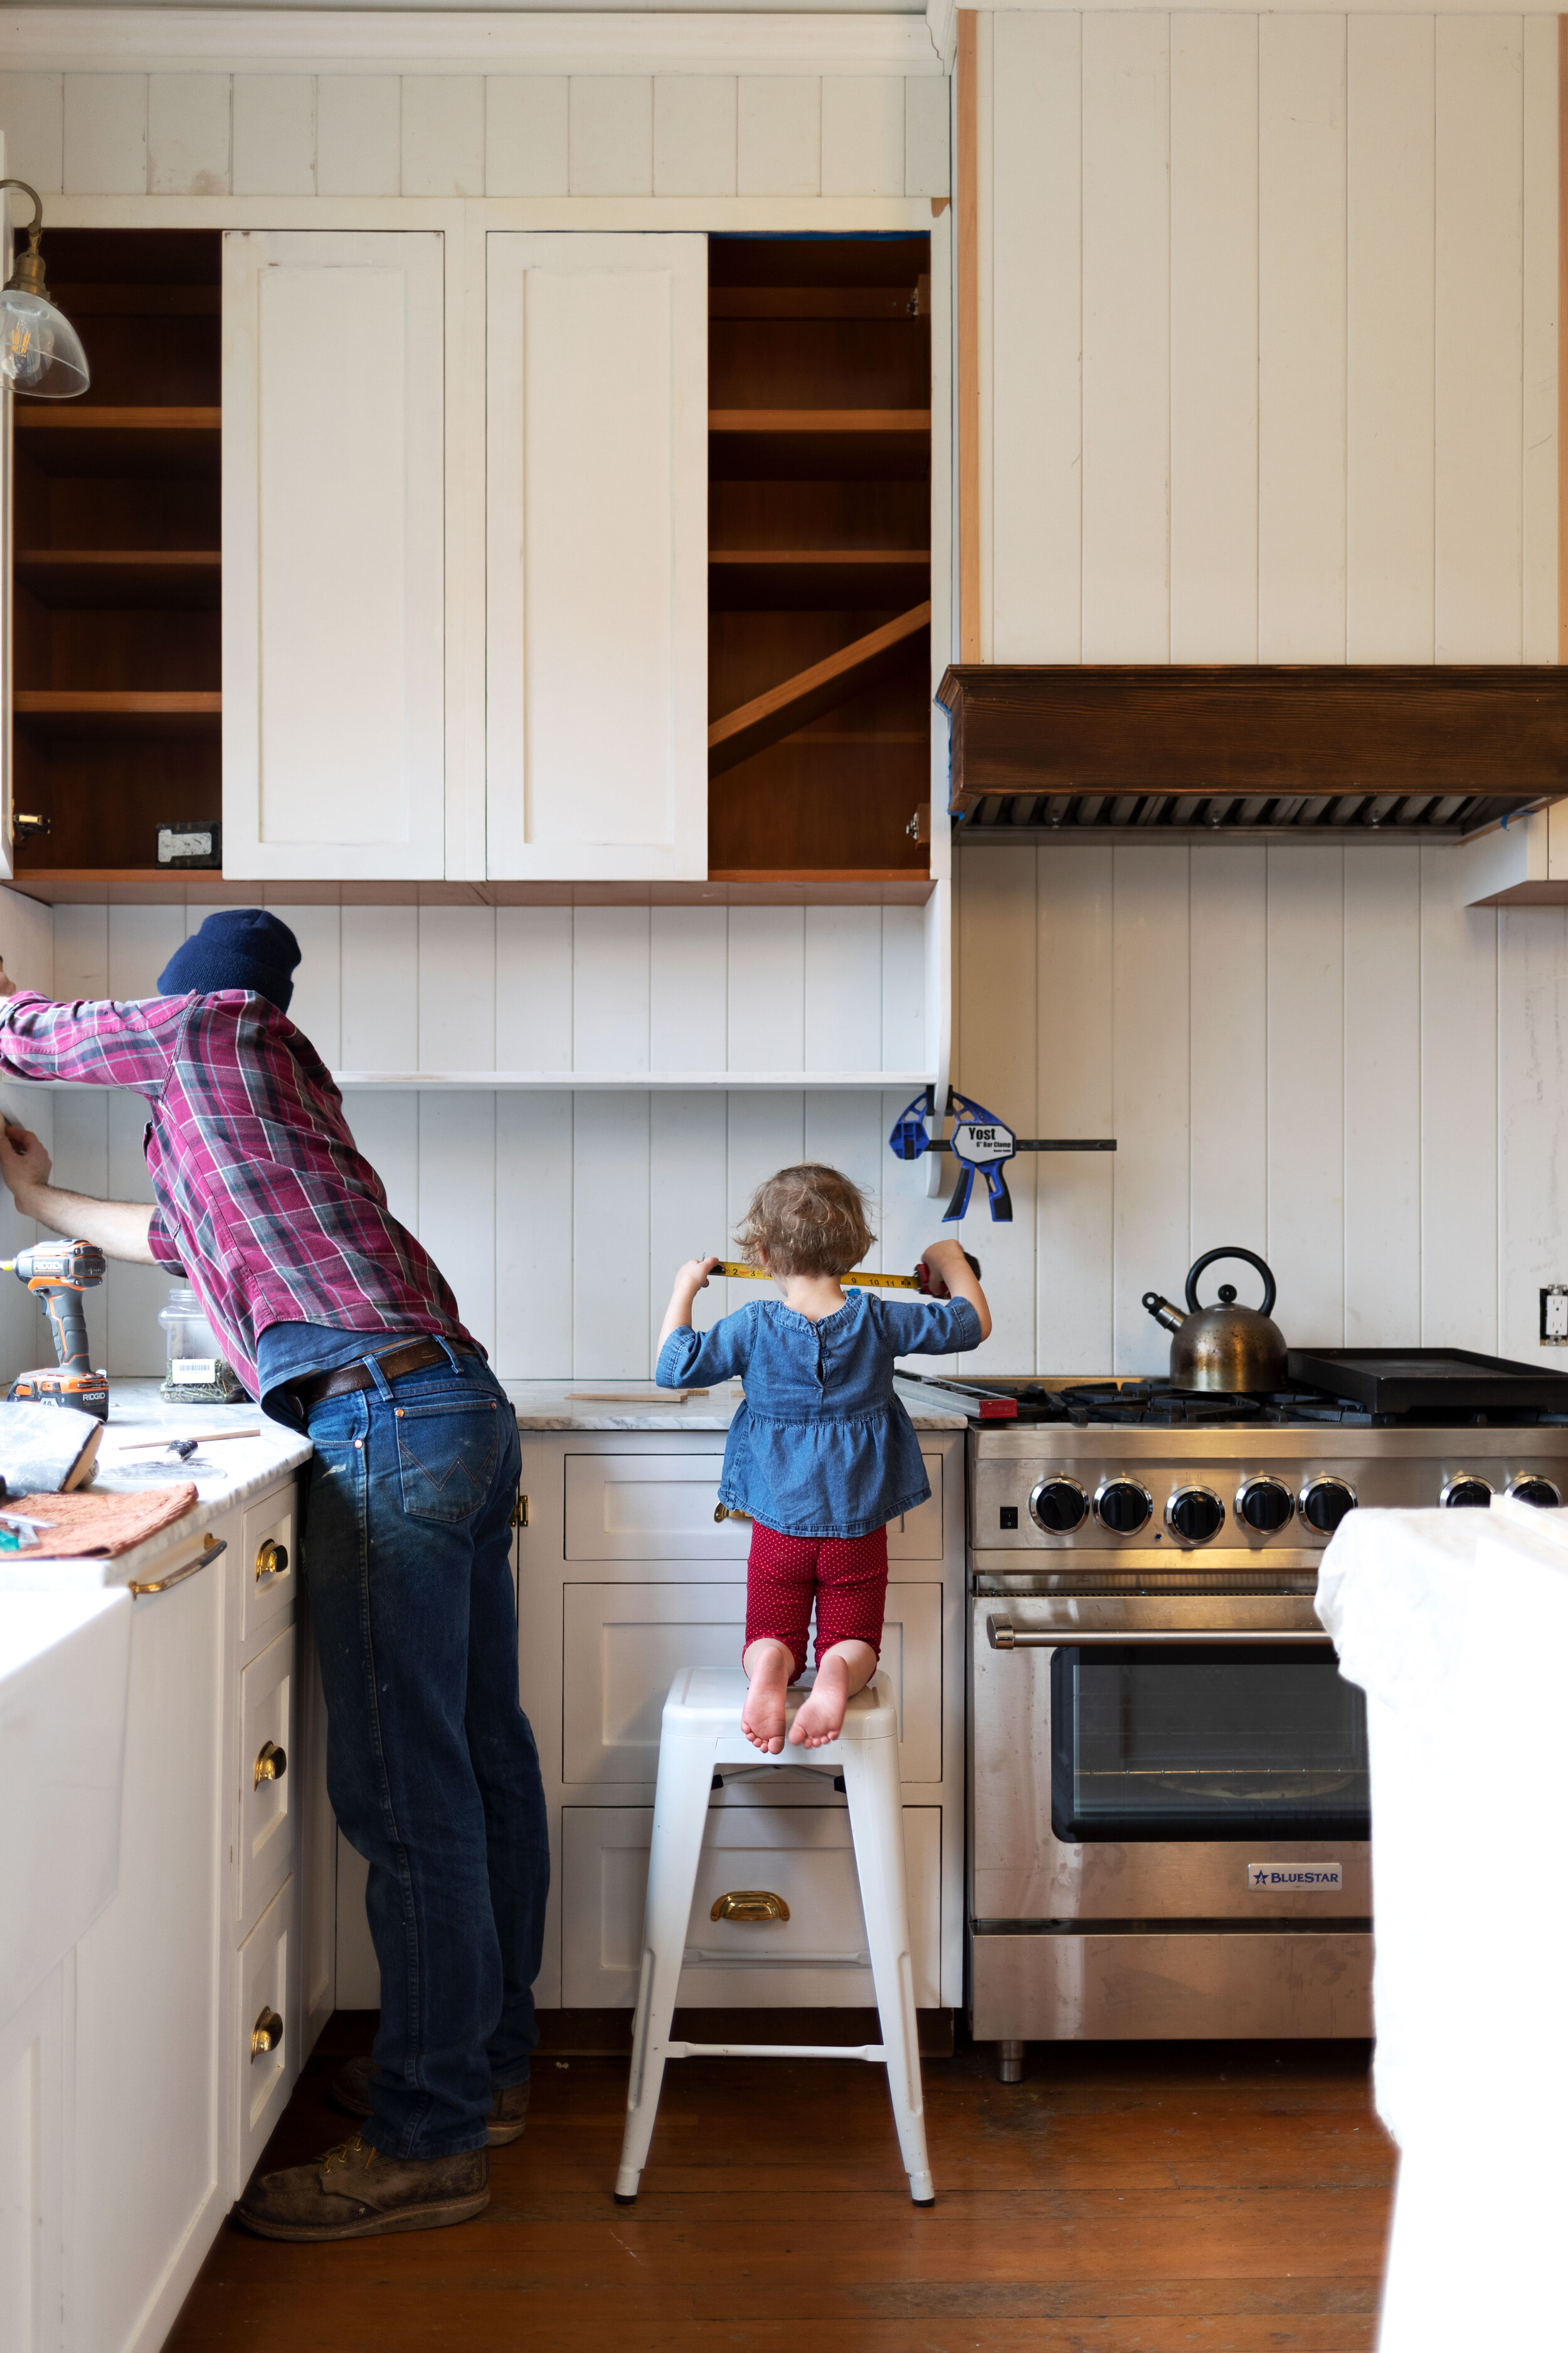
(1306, 1091)
(1229, 969)
(765, 1132)
(687, 1018)
(1390, 165)
(611, 150)
(927, 104)
(863, 135)
(457, 1199)
(610, 988)
(1151, 1008)
(694, 135)
(610, 1272)
(1541, 329)
(1459, 1111)
(533, 1236)
(316, 1005)
(1383, 1096)
(1302, 339)
(994, 1063)
(1126, 338)
(779, 135)
(904, 1044)
(975, 310)
(1532, 1087)
(188, 135)
(1214, 338)
(140, 942)
(81, 953)
(842, 1020)
(385, 1126)
(767, 1008)
(526, 134)
(844, 1130)
(274, 135)
(1480, 433)
(105, 144)
(27, 942)
(81, 1165)
(1035, 411)
(380, 989)
(134, 1295)
(456, 988)
(534, 989)
(686, 1147)
(32, 116)
(359, 136)
(444, 135)
(1076, 1097)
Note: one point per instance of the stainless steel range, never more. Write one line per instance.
(1168, 1778)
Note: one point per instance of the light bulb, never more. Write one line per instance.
(29, 340)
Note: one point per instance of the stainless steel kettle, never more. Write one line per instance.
(1225, 1346)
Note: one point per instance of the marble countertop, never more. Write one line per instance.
(230, 1473)
(635, 1404)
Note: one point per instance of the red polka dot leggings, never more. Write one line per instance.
(846, 1576)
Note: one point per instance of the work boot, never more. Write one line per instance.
(356, 2192)
(509, 2109)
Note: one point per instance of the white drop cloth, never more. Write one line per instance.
(1456, 1626)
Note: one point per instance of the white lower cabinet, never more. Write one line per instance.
(268, 1778)
(264, 2030)
(802, 1853)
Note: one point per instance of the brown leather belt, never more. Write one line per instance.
(412, 1357)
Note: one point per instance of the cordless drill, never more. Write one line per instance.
(56, 1274)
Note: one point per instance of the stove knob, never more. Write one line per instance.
(1059, 1506)
(1324, 1500)
(1463, 1493)
(1266, 1505)
(1123, 1506)
(1529, 1487)
(1195, 1514)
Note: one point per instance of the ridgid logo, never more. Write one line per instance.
(1296, 1878)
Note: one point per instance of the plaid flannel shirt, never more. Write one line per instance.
(260, 1196)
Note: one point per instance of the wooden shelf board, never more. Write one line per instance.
(840, 580)
(73, 578)
(813, 302)
(72, 440)
(769, 717)
(70, 421)
(55, 712)
(819, 420)
(201, 885)
(792, 555)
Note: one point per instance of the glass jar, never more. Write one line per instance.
(197, 1372)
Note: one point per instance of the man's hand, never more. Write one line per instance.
(25, 1166)
(7, 985)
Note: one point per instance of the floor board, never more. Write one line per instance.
(1123, 2198)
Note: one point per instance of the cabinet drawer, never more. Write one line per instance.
(269, 1568)
(267, 1776)
(660, 1508)
(802, 1853)
(266, 2027)
(624, 1645)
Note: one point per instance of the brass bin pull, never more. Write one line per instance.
(215, 1546)
(750, 1904)
(270, 1764)
(266, 2035)
(271, 1561)
(723, 1511)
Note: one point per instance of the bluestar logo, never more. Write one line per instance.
(1296, 1878)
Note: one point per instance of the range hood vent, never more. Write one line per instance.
(1435, 752)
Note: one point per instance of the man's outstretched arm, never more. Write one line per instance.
(118, 1227)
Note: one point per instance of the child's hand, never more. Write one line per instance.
(934, 1258)
(693, 1276)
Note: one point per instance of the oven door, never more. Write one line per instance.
(1194, 1758)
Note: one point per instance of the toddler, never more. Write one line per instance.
(821, 1455)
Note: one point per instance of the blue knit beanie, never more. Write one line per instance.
(239, 948)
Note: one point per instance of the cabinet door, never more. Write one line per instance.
(597, 555)
(7, 399)
(333, 346)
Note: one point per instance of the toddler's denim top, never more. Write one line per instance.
(821, 1447)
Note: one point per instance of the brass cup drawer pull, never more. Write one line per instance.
(723, 1511)
(271, 1561)
(266, 2035)
(271, 1764)
(750, 1904)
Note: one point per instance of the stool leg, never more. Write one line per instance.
(877, 1823)
(679, 1819)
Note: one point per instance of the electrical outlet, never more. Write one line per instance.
(1554, 1316)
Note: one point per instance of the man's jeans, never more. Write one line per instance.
(431, 1765)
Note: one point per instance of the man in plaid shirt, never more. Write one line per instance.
(341, 1325)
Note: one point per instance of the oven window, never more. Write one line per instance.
(1155, 1742)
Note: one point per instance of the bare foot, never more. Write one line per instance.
(819, 1718)
(769, 1666)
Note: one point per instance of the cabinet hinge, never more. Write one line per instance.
(520, 1510)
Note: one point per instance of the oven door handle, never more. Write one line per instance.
(1003, 1635)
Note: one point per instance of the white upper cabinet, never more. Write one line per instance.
(333, 346)
(596, 552)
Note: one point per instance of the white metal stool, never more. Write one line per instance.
(703, 1730)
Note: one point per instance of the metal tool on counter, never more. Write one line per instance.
(919, 1281)
(1233, 1349)
(185, 1447)
(56, 1274)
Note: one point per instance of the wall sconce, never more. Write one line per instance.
(40, 350)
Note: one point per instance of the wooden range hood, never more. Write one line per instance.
(1442, 750)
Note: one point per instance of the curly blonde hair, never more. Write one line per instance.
(806, 1221)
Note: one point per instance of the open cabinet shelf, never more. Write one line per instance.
(117, 572)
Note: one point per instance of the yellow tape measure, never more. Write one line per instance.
(760, 1274)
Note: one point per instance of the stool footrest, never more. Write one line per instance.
(875, 2052)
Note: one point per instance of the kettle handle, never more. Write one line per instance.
(1252, 1258)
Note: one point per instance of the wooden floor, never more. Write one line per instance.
(1162, 2199)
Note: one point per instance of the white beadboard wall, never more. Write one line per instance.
(338, 134)
(558, 1217)
(1315, 1050)
(1268, 337)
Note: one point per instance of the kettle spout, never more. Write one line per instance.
(1168, 1317)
